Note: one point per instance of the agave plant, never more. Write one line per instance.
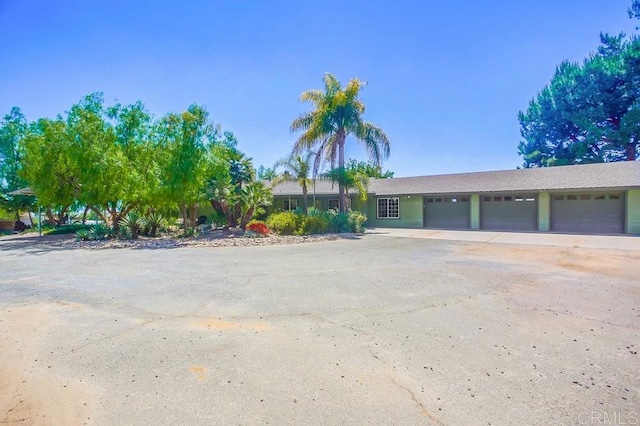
(100, 232)
(153, 222)
(83, 235)
(133, 222)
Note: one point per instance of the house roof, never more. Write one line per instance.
(585, 176)
(292, 187)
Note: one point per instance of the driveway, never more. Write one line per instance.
(375, 330)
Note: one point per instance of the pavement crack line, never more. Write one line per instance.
(423, 409)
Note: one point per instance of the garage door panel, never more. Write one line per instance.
(447, 212)
(509, 213)
(588, 213)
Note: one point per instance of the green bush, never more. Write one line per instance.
(153, 223)
(134, 222)
(65, 229)
(356, 221)
(82, 235)
(100, 232)
(284, 223)
(310, 225)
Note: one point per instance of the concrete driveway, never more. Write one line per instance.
(377, 330)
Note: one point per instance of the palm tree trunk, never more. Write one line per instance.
(304, 199)
(341, 189)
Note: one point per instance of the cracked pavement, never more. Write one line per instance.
(375, 330)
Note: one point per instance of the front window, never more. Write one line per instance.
(288, 205)
(333, 204)
(389, 208)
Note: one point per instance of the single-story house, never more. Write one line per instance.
(599, 198)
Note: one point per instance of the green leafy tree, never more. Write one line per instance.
(13, 129)
(47, 167)
(589, 112)
(184, 143)
(337, 114)
(296, 168)
(233, 189)
(350, 179)
(107, 155)
(266, 173)
(368, 169)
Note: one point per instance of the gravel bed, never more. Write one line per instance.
(229, 240)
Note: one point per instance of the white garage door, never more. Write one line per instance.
(594, 213)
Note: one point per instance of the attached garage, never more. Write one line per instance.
(509, 212)
(447, 212)
(590, 213)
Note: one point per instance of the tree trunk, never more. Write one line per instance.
(305, 203)
(246, 218)
(50, 218)
(631, 151)
(84, 215)
(341, 190)
(98, 213)
(193, 212)
(185, 218)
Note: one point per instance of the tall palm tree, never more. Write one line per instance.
(337, 114)
(351, 179)
(298, 168)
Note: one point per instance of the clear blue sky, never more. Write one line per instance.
(445, 79)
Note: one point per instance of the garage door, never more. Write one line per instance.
(510, 212)
(595, 213)
(450, 212)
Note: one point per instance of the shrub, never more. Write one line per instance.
(83, 235)
(100, 232)
(316, 224)
(134, 222)
(154, 222)
(284, 223)
(258, 227)
(356, 221)
(64, 229)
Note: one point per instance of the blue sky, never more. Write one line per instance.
(445, 79)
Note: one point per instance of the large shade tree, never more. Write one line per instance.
(590, 111)
(184, 142)
(337, 114)
(13, 128)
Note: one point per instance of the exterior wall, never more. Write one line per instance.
(322, 202)
(632, 225)
(475, 211)
(544, 210)
(411, 211)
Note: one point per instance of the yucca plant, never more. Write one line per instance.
(83, 235)
(154, 222)
(133, 222)
(100, 232)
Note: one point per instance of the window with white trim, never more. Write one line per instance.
(288, 205)
(389, 208)
(333, 204)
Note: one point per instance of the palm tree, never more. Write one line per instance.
(351, 179)
(254, 194)
(337, 114)
(298, 168)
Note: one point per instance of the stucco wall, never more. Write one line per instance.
(411, 213)
(633, 211)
